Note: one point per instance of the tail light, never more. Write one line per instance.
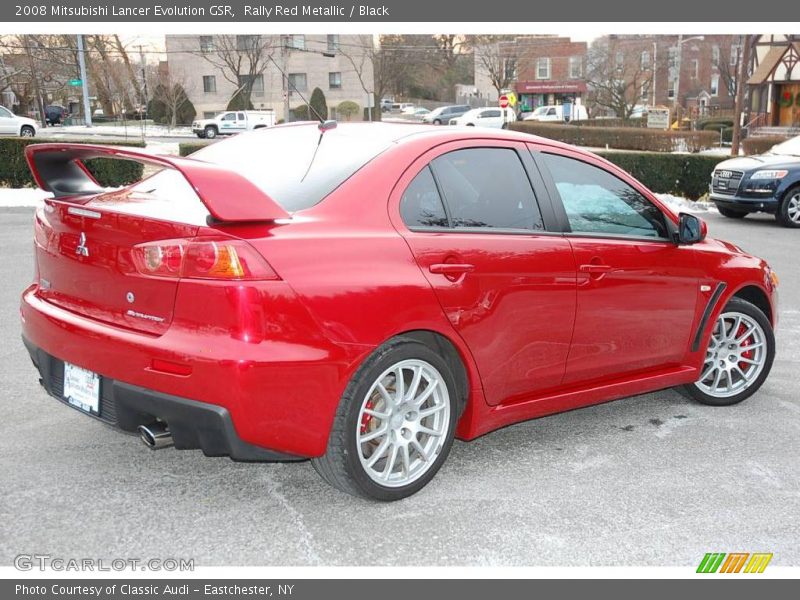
(201, 258)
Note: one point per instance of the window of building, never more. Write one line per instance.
(575, 67)
(207, 43)
(333, 43)
(694, 68)
(297, 81)
(671, 89)
(247, 43)
(715, 55)
(736, 52)
(619, 61)
(597, 202)
(644, 92)
(543, 68)
(487, 188)
(645, 63)
(335, 80)
(715, 85)
(510, 69)
(256, 84)
(209, 84)
(296, 41)
(673, 57)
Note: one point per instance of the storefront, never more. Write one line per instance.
(775, 83)
(533, 94)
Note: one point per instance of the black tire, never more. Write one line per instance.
(470, 124)
(730, 213)
(742, 306)
(341, 466)
(782, 214)
(27, 131)
(201, 135)
(437, 122)
(210, 132)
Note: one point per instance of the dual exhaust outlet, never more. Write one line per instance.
(155, 435)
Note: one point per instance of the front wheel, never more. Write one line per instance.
(395, 424)
(731, 214)
(27, 131)
(738, 357)
(211, 132)
(788, 213)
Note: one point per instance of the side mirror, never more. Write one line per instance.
(691, 229)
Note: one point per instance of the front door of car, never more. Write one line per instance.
(7, 122)
(637, 290)
(507, 285)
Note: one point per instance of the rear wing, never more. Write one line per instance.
(227, 195)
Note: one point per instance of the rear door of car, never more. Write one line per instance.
(637, 291)
(476, 219)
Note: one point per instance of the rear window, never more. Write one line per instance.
(286, 162)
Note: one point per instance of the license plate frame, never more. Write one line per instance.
(82, 388)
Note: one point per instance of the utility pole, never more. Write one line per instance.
(678, 67)
(143, 65)
(87, 111)
(741, 82)
(285, 79)
(655, 69)
(35, 79)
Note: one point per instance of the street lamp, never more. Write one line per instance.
(678, 67)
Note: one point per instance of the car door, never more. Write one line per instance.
(479, 234)
(637, 291)
(8, 123)
(228, 122)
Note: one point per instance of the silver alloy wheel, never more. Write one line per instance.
(793, 209)
(403, 423)
(26, 132)
(735, 357)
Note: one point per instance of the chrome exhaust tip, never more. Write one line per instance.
(155, 435)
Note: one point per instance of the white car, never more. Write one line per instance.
(234, 121)
(11, 124)
(486, 117)
(555, 114)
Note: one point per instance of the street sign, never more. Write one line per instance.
(76, 82)
(512, 98)
(503, 101)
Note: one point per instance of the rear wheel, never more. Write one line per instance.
(395, 424)
(788, 213)
(738, 357)
(730, 213)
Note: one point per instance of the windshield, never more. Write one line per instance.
(282, 162)
(790, 147)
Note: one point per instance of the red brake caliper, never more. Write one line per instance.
(747, 354)
(365, 418)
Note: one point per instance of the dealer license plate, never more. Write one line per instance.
(82, 388)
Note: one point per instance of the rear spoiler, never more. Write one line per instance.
(228, 196)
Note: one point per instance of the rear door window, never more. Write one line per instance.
(421, 204)
(487, 188)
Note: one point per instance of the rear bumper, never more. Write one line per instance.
(193, 425)
(276, 389)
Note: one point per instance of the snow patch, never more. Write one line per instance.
(28, 197)
(678, 204)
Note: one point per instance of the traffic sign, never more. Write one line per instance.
(75, 82)
(504, 101)
(512, 98)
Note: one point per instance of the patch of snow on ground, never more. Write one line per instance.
(132, 130)
(678, 204)
(31, 197)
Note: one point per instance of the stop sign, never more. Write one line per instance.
(503, 101)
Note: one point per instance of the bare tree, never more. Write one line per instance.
(617, 76)
(363, 57)
(241, 59)
(728, 62)
(497, 56)
(171, 88)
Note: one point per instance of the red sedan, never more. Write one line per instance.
(360, 295)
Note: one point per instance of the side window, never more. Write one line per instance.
(229, 117)
(487, 187)
(240, 116)
(551, 111)
(491, 113)
(598, 202)
(421, 205)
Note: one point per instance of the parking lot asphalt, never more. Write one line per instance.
(650, 480)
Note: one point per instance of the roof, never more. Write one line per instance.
(771, 60)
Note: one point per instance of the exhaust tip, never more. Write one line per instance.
(155, 435)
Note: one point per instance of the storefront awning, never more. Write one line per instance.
(551, 87)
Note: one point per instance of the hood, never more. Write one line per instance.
(750, 163)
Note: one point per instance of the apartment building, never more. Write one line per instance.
(214, 68)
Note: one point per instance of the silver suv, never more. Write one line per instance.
(443, 114)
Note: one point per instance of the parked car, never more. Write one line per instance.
(443, 114)
(361, 295)
(409, 109)
(55, 114)
(386, 104)
(11, 124)
(767, 183)
(556, 114)
(486, 117)
(231, 122)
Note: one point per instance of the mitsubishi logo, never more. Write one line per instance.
(81, 249)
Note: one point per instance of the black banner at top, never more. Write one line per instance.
(393, 11)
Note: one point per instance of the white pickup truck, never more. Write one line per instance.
(236, 121)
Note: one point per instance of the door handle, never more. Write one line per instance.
(451, 268)
(595, 269)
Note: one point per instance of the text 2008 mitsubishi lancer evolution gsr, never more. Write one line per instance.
(359, 295)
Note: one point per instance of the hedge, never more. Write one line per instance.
(760, 145)
(187, 148)
(686, 175)
(15, 173)
(622, 138)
